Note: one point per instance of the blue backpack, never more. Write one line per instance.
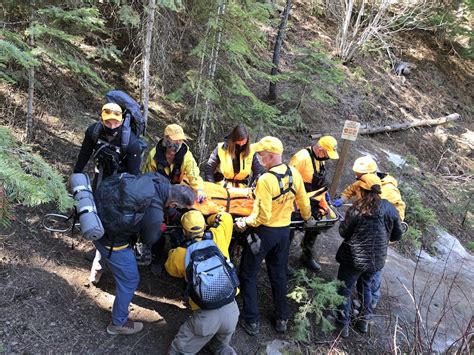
(211, 279)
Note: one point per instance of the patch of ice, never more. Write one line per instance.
(446, 244)
(394, 158)
(425, 256)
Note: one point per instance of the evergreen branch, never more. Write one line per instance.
(27, 178)
(82, 19)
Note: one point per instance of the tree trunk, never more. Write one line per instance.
(203, 121)
(145, 92)
(31, 89)
(272, 93)
(403, 126)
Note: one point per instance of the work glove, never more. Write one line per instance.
(241, 224)
(310, 223)
(337, 202)
(328, 197)
(200, 196)
(254, 243)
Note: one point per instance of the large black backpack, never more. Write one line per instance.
(133, 120)
(122, 201)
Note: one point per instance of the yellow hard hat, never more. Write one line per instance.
(330, 144)
(111, 111)
(370, 180)
(365, 165)
(269, 144)
(193, 223)
(175, 132)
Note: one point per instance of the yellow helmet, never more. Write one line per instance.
(193, 223)
(368, 181)
(365, 165)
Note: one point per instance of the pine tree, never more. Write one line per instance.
(229, 62)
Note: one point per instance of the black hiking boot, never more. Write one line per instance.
(362, 325)
(307, 258)
(251, 328)
(281, 325)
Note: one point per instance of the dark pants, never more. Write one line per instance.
(350, 276)
(274, 248)
(307, 243)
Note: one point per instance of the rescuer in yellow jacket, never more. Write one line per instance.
(310, 164)
(172, 158)
(390, 191)
(234, 162)
(204, 325)
(269, 237)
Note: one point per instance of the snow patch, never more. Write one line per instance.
(448, 245)
(395, 158)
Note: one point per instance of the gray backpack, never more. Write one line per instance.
(211, 279)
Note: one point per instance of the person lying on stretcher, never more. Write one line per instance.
(240, 201)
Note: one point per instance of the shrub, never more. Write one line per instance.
(314, 296)
(419, 218)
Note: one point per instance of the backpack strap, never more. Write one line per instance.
(280, 178)
(96, 131)
(311, 157)
(126, 131)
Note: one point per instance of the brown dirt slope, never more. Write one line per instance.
(45, 305)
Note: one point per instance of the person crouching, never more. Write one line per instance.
(215, 318)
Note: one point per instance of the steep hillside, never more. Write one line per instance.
(46, 301)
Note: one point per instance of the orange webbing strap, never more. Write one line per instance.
(236, 201)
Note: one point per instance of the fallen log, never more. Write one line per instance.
(401, 126)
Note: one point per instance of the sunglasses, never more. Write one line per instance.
(108, 111)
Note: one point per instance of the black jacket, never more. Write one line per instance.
(366, 237)
(112, 161)
(152, 218)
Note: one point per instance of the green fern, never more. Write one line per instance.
(27, 178)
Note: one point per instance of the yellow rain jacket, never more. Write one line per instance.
(390, 192)
(302, 162)
(271, 207)
(221, 235)
(184, 167)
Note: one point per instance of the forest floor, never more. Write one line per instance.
(47, 304)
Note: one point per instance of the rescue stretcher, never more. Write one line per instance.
(236, 201)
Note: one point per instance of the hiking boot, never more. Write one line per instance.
(344, 331)
(251, 328)
(95, 276)
(281, 325)
(128, 328)
(374, 305)
(310, 263)
(142, 254)
(362, 325)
